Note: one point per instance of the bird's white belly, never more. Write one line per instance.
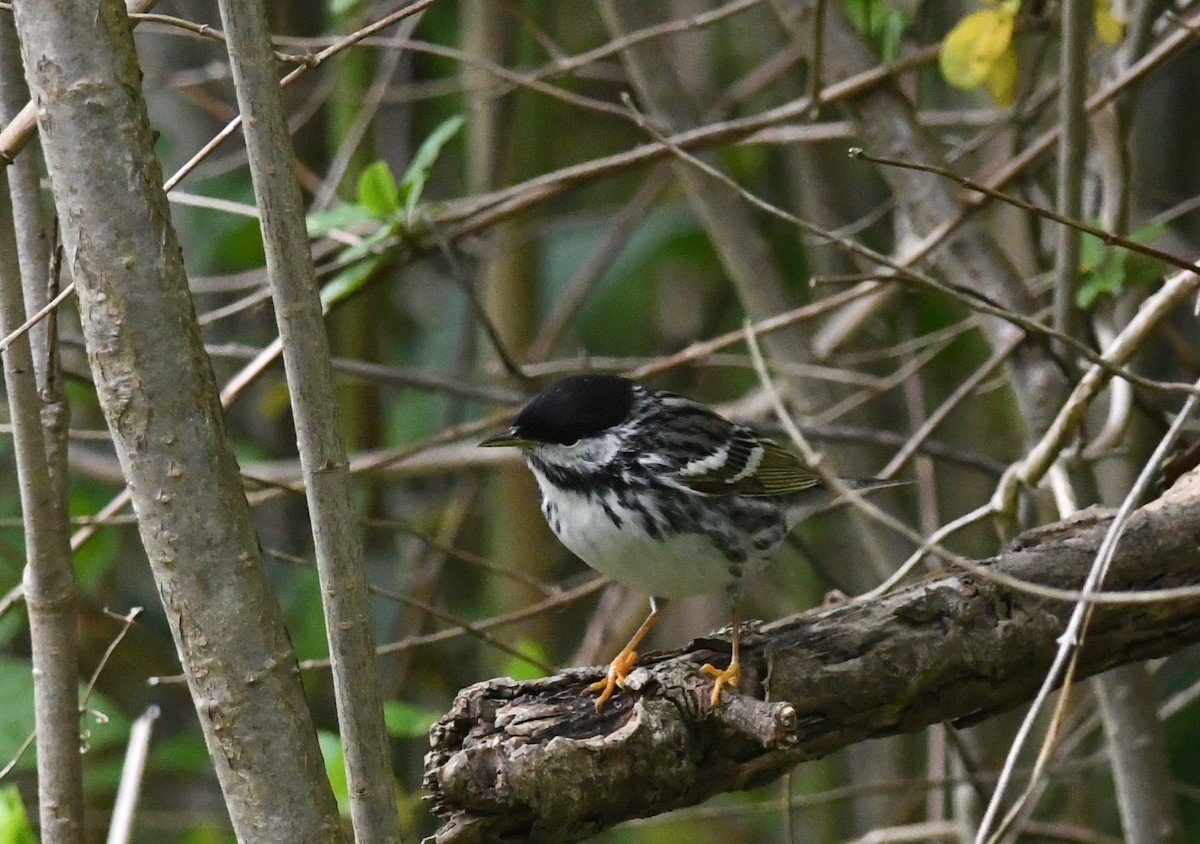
(673, 566)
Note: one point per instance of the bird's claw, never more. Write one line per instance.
(615, 676)
(722, 677)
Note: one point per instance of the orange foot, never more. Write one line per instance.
(618, 669)
(722, 678)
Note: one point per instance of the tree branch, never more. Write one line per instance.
(337, 544)
(534, 761)
(49, 578)
(158, 394)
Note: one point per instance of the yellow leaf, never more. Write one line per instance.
(1108, 27)
(977, 42)
(1001, 80)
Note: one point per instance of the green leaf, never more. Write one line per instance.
(344, 216)
(368, 246)
(1106, 278)
(1143, 269)
(377, 190)
(1147, 233)
(891, 35)
(349, 280)
(14, 823)
(359, 263)
(335, 769)
(413, 183)
(404, 720)
(1091, 252)
(1114, 269)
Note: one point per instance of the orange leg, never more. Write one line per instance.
(731, 675)
(623, 663)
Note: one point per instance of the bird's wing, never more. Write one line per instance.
(749, 465)
(706, 453)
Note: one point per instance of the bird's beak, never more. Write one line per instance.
(509, 437)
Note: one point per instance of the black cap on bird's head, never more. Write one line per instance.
(569, 410)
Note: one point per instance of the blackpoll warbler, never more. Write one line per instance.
(659, 492)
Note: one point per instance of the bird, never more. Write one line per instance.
(663, 494)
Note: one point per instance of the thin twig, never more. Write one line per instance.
(1037, 461)
(120, 828)
(1109, 238)
(1072, 637)
(127, 621)
(903, 272)
(12, 763)
(424, 606)
(567, 596)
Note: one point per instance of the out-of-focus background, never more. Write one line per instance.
(618, 186)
